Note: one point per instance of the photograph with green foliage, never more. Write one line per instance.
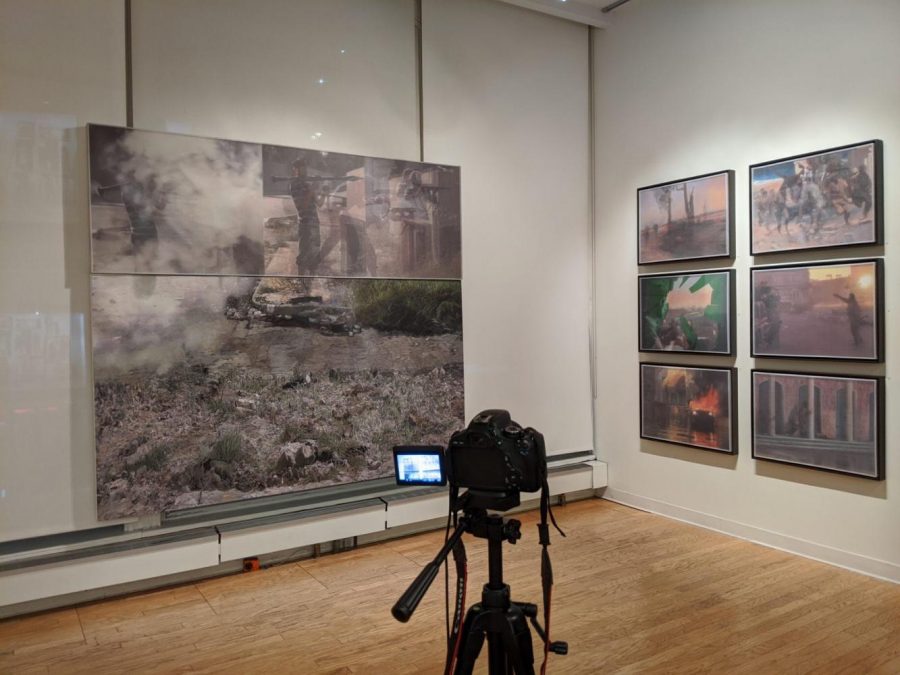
(213, 389)
(687, 312)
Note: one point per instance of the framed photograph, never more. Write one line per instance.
(686, 219)
(822, 199)
(689, 406)
(687, 312)
(823, 422)
(830, 310)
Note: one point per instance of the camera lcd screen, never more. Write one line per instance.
(419, 465)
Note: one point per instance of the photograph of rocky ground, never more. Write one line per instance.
(214, 389)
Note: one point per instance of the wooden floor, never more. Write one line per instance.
(635, 593)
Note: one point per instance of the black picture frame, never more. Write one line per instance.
(815, 438)
(698, 422)
(877, 181)
(767, 322)
(680, 333)
(727, 251)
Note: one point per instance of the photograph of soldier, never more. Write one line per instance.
(361, 216)
(686, 219)
(817, 200)
(828, 310)
(315, 208)
(686, 312)
(823, 422)
(688, 406)
(172, 204)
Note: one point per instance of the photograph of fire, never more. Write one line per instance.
(689, 406)
(212, 389)
(686, 219)
(819, 421)
(825, 311)
(686, 312)
(818, 200)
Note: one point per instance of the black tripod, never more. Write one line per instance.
(497, 618)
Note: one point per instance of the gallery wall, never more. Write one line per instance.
(698, 86)
(253, 73)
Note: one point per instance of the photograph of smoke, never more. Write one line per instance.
(689, 406)
(166, 203)
(687, 312)
(819, 421)
(172, 204)
(826, 311)
(686, 219)
(211, 389)
(818, 200)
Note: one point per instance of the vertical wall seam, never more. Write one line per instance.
(592, 152)
(420, 99)
(129, 90)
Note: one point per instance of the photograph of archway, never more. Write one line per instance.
(820, 421)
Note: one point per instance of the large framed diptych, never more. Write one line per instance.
(265, 319)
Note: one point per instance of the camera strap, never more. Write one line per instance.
(546, 566)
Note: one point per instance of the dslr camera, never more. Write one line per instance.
(494, 458)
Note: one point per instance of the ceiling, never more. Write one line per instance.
(583, 11)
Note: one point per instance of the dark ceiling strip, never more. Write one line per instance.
(129, 90)
(419, 85)
(611, 6)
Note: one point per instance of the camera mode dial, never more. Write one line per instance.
(513, 431)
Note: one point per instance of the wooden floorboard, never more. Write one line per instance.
(635, 593)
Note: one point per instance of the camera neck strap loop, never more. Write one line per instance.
(546, 566)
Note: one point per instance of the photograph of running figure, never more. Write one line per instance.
(817, 200)
(827, 311)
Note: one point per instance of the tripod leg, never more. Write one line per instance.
(471, 641)
(517, 643)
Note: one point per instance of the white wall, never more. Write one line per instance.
(249, 70)
(689, 87)
(506, 97)
(61, 66)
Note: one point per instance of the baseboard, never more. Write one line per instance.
(873, 567)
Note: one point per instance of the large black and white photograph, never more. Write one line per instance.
(824, 199)
(165, 203)
(825, 422)
(211, 389)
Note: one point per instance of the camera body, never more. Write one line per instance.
(495, 454)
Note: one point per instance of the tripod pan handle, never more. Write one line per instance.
(406, 605)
